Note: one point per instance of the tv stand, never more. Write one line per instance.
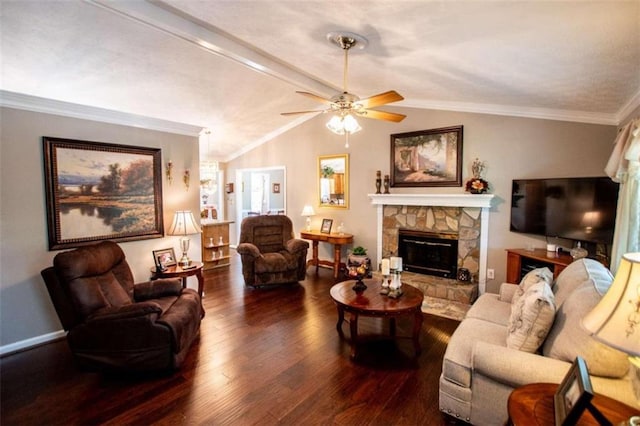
(521, 261)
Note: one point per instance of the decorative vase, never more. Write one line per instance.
(378, 182)
(386, 184)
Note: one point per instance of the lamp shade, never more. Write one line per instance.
(308, 211)
(184, 224)
(615, 320)
(341, 124)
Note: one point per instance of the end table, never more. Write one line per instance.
(532, 404)
(177, 271)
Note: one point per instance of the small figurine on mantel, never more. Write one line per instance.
(477, 185)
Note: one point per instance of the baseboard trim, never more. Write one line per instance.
(23, 345)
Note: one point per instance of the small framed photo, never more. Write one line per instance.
(164, 258)
(276, 188)
(326, 226)
(573, 395)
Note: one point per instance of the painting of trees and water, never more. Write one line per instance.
(427, 158)
(102, 191)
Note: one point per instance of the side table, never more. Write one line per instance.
(532, 404)
(336, 239)
(177, 271)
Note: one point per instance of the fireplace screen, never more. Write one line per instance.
(429, 253)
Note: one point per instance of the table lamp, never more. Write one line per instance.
(615, 320)
(184, 224)
(308, 212)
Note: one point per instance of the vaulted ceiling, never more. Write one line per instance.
(234, 66)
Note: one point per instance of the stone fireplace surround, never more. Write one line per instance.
(464, 214)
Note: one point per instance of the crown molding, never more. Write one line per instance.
(85, 112)
(625, 112)
(515, 111)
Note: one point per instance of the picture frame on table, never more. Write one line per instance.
(427, 158)
(326, 226)
(164, 258)
(99, 191)
(573, 395)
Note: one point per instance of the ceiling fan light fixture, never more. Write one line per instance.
(343, 124)
(351, 124)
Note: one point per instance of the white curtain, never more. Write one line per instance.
(624, 167)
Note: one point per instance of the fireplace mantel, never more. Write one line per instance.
(463, 200)
(440, 200)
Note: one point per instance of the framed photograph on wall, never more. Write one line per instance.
(276, 188)
(326, 226)
(573, 395)
(427, 158)
(100, 191)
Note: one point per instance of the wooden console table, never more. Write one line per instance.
(519, 260)
(336, 239)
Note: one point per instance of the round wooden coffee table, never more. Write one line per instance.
(371, 303)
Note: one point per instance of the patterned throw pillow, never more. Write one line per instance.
(531, 318)
(532, 277)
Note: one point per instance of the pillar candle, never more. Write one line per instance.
(394, 262)
(384, 266)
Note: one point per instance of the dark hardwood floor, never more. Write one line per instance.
(265, 356)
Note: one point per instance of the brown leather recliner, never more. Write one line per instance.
(114, 324)
(270, 253)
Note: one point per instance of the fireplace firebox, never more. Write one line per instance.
(429, 253)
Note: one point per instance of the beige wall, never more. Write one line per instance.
(511, 147)
(26, 311)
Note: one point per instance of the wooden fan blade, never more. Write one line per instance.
(316, 97)
(299, 112)
(383, 115)
(381, 99)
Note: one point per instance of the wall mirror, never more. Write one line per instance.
(333, 181)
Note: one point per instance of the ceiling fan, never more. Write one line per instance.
(344, 106)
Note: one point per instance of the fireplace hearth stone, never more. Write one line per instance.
(443, 296)
(441, 288)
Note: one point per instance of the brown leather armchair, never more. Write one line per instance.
(114, 324)
(270, 253)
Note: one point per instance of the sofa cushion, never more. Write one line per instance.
(579, 273)
(531, 318)
(456, 366)
(532, 277)
(489, 307)
(567, 339)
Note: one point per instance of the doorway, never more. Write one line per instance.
(260, 191)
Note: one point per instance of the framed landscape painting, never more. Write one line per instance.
(100, 191)
(427, 158)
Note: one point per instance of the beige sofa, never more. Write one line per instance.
(479, 371)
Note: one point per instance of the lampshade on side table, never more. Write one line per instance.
(184, 224)
(615, 321)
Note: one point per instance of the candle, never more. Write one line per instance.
(399, 264)
(394, 262)
(384, 265)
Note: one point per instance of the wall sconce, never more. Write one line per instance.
(169, 172)
(186, 178)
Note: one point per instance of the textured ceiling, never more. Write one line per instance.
(233, 66)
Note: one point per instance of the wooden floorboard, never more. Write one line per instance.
(264, 356)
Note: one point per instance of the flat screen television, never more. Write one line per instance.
(580, 209)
